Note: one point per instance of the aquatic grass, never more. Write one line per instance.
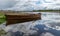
(2, 18)
(2, 32)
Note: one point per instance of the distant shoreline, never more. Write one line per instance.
(46, 10)
(2, 11)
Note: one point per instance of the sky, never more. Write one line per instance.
(29, 5)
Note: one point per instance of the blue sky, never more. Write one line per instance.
(28, 5)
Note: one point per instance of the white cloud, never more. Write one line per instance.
(28, 5)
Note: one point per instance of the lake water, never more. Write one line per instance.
(50, 22)
(52, 19)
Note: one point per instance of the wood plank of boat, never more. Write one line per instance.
(20, 18)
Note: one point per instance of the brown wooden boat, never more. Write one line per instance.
(13, 18)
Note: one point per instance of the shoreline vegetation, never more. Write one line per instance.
(30, 11)
(46, 10)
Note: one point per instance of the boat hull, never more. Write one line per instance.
(12, 19)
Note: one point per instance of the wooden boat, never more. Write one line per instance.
(13, 18)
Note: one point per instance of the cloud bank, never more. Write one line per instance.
(29, 5)
(4, 4)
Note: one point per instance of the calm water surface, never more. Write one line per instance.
(50, 22)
